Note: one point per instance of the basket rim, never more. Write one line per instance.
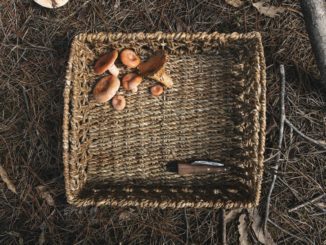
(260, 76)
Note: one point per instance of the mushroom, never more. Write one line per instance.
(129, 58)
(51, 3)
(157, 90)
(119, 102)
(131, 82)
(106, 88)
(106, 62)
(155, 69)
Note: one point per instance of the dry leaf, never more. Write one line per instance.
(268, 10)
(243, 230)
(235, 3)
(264, 238)
(5, 178)
(231, 215)
(42, 191)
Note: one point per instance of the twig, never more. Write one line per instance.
(26, 101)
(307, 240)
(187, 226)
(307, 202)
(223, 227)
(316, 142)
(280, 139)
(318, 214)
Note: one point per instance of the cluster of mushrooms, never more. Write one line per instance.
(108, 86)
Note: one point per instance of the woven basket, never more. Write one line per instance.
(215, 111)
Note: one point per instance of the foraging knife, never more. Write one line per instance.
(200, 167)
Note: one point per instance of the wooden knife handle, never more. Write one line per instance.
(185, 169)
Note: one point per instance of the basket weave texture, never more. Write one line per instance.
(215, 111)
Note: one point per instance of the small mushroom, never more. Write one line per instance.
(157, 90)
(119, 102)
(126, 79)
(155, 69)
(129, 58)
(106, 88)
(131, 82)
(106, 62)
(51, 3)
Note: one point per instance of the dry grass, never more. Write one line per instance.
(34, 48)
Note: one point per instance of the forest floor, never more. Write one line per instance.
(34, 47)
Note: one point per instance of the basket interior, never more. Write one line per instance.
(209, 114)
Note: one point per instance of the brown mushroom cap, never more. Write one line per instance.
(131, 82)
(126, 79)
(105, 62)
(157, 90)
(51, 3)
(106, 88)
(119, 102)
(129, 58)
(155, 69)
(152, 65)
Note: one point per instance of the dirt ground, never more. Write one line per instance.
(33, 55)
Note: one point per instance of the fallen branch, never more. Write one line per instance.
(307, 202)
(320, 143)
(315, 16)
(279, 146)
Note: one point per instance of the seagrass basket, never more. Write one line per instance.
(215, 111)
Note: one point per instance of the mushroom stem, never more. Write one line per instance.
(106, 62)
(163, 78)
(134, 90)
(155, 68)
(134, 83)
(114, 70)
(131, 82)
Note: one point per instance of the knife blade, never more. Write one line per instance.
(208, 163)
